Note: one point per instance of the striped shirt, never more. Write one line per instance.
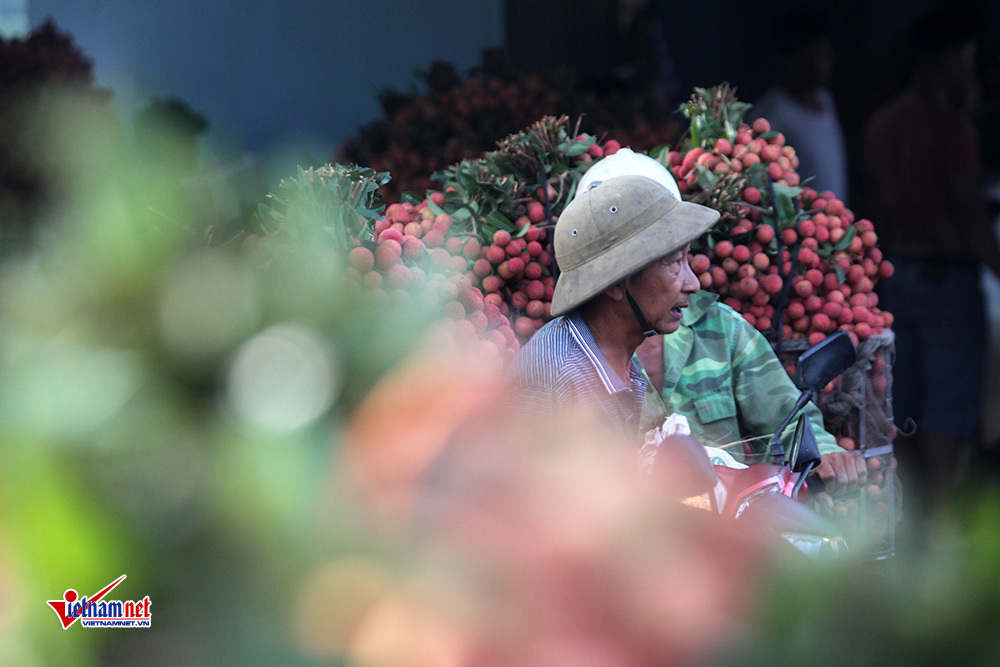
(562, 366)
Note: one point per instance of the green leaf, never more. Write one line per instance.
(771, 134)
(372, 214)
(661, 154)
(786, 190)
(580, 147)
(846, 239)
(572, 190)
(500, 221)
(453, 198)
(785, 205)
(701, 131)
(427, 263)
(706, 179)
(466, 180)
(786, 213)
(433, 207)
(841, 276)
(339, 226)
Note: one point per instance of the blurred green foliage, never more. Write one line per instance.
(932, 604)
(140, 433)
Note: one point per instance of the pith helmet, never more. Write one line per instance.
(624, 163)
(616, 228)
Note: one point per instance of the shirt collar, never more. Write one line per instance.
(698, 306)
(609, 378)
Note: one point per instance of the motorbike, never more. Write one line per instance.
(770, 495)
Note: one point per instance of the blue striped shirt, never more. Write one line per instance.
(562, 366)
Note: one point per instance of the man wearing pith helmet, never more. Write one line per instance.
(622, 248)
(718, 371)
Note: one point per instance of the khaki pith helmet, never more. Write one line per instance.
(616, 228)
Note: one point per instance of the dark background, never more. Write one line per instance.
(306, 73)
(724, 40)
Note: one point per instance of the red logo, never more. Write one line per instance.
(95, 612)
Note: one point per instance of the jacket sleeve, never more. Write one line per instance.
(764, 392)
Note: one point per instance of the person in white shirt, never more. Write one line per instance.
(801, 107)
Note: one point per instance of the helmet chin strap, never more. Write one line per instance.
(647, 329)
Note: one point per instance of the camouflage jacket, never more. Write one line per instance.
(723, 376)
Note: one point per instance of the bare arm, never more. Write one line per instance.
(979, 237)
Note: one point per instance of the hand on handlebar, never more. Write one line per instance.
(843, 472)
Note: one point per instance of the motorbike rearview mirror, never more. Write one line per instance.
(825, 361)
(804, 452)
(791, 454)
(817, 366)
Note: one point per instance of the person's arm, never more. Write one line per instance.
(649, 356)
(654, 410)
(534, 408)
(529, 395)
(764, 392)
(965, 199)
(842, 471)
(765, 395)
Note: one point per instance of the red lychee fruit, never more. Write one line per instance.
(361, 258)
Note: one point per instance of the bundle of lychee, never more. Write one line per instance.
(400, 260)
(416, 245)
(797, 265)
(508, 265)
(495, 216)
(793, 261)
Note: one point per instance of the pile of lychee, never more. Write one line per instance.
(819, 271)
(412, 251)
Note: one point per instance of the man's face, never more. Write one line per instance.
(665, 289)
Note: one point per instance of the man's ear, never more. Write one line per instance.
(616, 292)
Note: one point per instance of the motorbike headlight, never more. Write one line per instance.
(702, 502)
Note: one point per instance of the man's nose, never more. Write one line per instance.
(691, 283)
